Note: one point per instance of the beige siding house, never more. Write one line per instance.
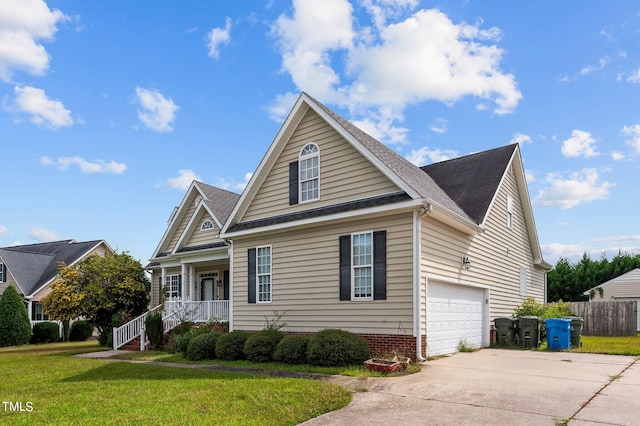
(626, 287)
(33, 268)
(335, 230)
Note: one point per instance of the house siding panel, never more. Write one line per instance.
(199, 236)
(496, 255)
(306, 280)
(184, 221)
(627, 285)
(343, 173)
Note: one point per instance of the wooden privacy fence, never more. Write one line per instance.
(607, 318)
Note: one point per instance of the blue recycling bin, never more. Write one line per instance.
(558, 333)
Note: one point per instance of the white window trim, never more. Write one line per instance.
(169, 282)
(300, 181)
(258, 274)
(37, 310)
(355, 298)
(509, 212)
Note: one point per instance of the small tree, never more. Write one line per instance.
(64, 302)
(15, 327)
(99, 287)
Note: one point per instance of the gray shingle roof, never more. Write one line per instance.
(220, 201)
(472, 181)
(33, 265)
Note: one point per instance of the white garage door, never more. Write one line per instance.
(454, 314)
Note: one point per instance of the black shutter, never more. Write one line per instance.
(225, 282)
(380, 265)
(345, 267)
(252, 275)
(179, 286)
(293, 183)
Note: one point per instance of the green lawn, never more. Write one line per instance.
(62, 389)
(627, 345)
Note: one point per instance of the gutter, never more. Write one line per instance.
(417, 258)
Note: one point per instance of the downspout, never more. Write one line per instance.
(417, 263)
(231, 268)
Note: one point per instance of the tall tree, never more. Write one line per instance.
(102, 287)
(64, 302)
(15, 327)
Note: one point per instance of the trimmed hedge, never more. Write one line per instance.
(154, 328)
(81, 330)
(230, 346)
(334, 347)
(260, 346)
(203, 346)
(45, 332)
(292, 349)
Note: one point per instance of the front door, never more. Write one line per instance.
(209, 287)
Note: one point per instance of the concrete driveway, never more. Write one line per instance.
(501, 387)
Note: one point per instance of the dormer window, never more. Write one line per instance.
(207, 224)
(309, 173)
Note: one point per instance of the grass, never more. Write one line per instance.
(68, 390)
(352, 370)
(623, 345)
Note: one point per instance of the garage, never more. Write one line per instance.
(455, 313)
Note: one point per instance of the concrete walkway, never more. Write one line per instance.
(489, 387)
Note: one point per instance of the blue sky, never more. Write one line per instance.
(108, 110)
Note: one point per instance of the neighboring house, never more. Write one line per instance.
(33, 268)
(338, 231)
(625, 287)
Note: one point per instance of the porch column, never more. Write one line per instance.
(184, 281)
(163, 281)
(192, 282)
(30, 310)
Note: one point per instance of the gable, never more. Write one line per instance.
(202, 229)
(345, 174)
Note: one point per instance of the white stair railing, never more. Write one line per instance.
(129, 331)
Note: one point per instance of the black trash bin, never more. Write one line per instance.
(576, 331)
(505, 331)
(529, 332)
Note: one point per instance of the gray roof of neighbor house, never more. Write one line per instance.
(34, 265)
(221, 202)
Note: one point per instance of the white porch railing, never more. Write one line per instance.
(174, 313)
(198, 311)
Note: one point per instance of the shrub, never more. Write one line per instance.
(334, 347)
(530, 307)
(230, 346)
(203, 346)
(260, 347)
(15, 327)
(45, 332)
(81, 330)
(155, 329)
(292, 350)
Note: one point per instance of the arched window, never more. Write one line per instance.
(309, 173)
(207, 224)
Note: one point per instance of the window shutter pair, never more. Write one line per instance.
(379, 266)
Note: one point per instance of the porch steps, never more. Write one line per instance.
(133, 345)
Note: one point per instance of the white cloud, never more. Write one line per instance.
(386, 68)
(580, 144)
(3, 230)
(424, 155)
(634, 77)
(609, 246)
(566, 192)
(603, 62)
(99, 166)
(157, 113)
(529, 176)
(520, 138)
(617, 156)
(280, 106)
(218, 37)
(183, 180)
(440, 126)
(43, 235)
(237, 186)
(633, 133)
(23, 24)
(43, 111)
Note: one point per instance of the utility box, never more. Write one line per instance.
(558, 333)
(505, 331)
(529, 332)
